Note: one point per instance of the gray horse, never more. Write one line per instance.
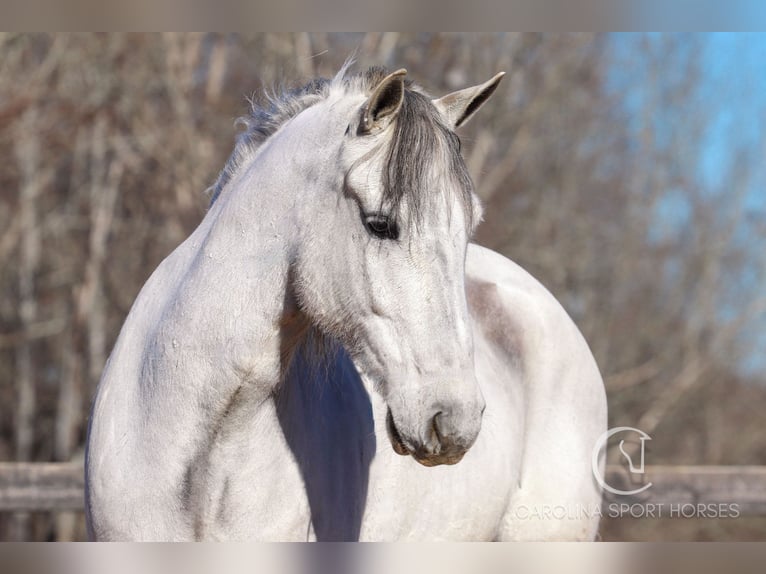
(327, 357)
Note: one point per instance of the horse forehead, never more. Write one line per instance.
(373, 155)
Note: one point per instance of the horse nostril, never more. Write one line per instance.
(435, 428)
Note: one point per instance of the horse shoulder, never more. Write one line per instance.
(565, 402)
(517, 313)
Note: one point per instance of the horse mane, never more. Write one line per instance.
(419, 134)
(263, 121)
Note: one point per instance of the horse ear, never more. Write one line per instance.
(458, 106)
(384, 103)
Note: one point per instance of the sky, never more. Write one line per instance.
(736, 84)
(731, 94)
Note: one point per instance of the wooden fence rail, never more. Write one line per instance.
(59, 487)
(41, 486)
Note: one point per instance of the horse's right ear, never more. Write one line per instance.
(458, 106)
(384, 104)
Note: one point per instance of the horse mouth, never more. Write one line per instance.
(393, 435)
(425, 459)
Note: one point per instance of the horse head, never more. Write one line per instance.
(381, 267)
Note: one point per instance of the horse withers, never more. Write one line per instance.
(327, 357)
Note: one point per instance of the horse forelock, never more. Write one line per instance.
(421, 145)
(420, 142)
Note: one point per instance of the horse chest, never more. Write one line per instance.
(461, 502)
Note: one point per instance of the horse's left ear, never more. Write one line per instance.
(384, 103)
(458, 106)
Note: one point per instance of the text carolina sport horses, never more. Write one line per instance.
(329, 315)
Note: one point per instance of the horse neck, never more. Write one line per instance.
(256, 222)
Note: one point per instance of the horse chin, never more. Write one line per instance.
(425, 459)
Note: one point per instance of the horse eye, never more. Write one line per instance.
(381, 226)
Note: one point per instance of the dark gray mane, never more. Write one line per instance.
(264, 120)
(419, 138)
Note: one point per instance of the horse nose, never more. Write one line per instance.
(453, 435)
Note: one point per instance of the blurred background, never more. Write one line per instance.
(626, 172)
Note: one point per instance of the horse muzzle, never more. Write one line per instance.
(440, 446)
